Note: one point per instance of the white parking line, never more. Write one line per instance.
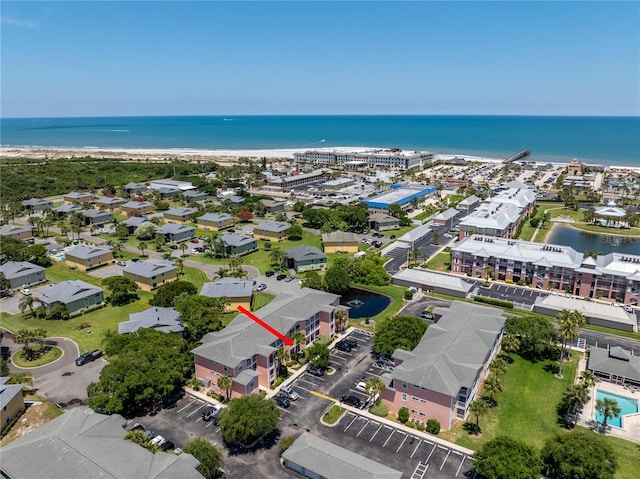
(414, 451)
(402, 443)
(429, 457)
(374, 434)
(354, 420)
(307, 381)
(365, 425)
(302, 387)
(392, 433)
(179, 411)
(445, 459)
(460, 466)
(208, 425)
(194, 411)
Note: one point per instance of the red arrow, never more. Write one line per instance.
(287, 341)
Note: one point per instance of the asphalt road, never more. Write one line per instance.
(604, 340)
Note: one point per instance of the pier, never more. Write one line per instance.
(521, 154)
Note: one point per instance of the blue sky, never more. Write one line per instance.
(217, 58)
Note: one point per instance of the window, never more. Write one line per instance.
(403, 397)
(248, 362)
(415, 399)
(423, 401)
(404, 385)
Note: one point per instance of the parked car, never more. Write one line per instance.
(289, 393)
(628, 309)
(289, 279)
(88, 357)
(135, 260)
(280, 277)
(269, 273)
(173, 246)
(351, 401)
(194, 240)
(121, 263)
(167, 446)
(386, 361)
(426, 314)
(261, 287)
(158, 440)
(210, 412)
(315, 371)
(392, 237)
(342, 346)
(26, 291)
(5, 352)
(203, 238)
(352, 342)
(282, 401)
(362, 386)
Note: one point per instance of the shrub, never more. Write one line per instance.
(508, 281)
(403, 415)
(379, 409)
(522, 282)
(410, 424)
(420, 427)
(285, 442)
(433, 426)
(408, 294)
(494, 302)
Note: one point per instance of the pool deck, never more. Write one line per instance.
(630, 423)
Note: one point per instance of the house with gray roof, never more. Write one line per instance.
(36, 204)
(167, 192)
(616, 365)
(66, 209)
(383, 222)
(272, 206)
(176, 233)
(340, 242)
(414, 236)
(167, 320)
(97, 217)
(236, 291)
(441, 377)
(78, 197)
(90, 446)
(109, 203)
(133, 223)
(238, 245)
(150, 274)
(179, 215)
(314, 457)
(86, 257)
(445, 217)
(133, 188)
(469, 203)
(22, 273)
(215, 221)
(137, 208)
(271, 230)
(305, 258)
(16, 231)
(247, 352)
(11, 401)
(74, 295)
(193, 196)
(432, 282)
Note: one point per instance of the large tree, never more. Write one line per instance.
(401, 332)
(123, 290)
(210, 457)
(200, 315)
(337, 280)
(248, 418)
(318, 355)
(166, 294)
(535, 334)
(579, 454)
(507, 458)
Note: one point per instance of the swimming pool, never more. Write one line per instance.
(61, 256)
(626, 405)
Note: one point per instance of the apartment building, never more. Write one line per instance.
(246, 351)
(150, 274)
(271, 231)
(340, 242)
(37, 204)
(179, 215)
(236, 291)
(392, 158)
(76, 197)
(215, 221)
(85, 257)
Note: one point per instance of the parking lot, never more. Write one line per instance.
(519, 296)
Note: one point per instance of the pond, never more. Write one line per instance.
(364, 304)
(602, 243)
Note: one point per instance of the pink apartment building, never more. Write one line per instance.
(443, 374)
(247, 352)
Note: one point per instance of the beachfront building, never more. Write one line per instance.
(16, 232)
(383, 222)
(286, 183)
(176, 233)
(376, 158)
(76, 197)
(36, 204)
(236, 291)
(89, 446)
(306, 258)
(150, 274)
(135, 188)
(109, 203)
(441, 377)
(137, 208)
(340, 242)
(96, 217)
(238, 245)
(271, 231)
(405, 196)
(612, 276)
(167, 320)
(22, 273)
(133, 223)
(87, 257)
(615, 365)
(215, 221)
(66, 209)
(179, 215)
(246, 351)
(272, 207)
(173, 184)
(74, 295)
(11, 401)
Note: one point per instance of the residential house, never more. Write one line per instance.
(133, 223)
(236, 291)
(168, 192)
(314, 457)
(66, 209)
(11, 402)
(82, 445)
(272, 207)
(415, 236)
(134, 188)
(22, 273)
(86, 257)
(238, 245)
(150, 274)
(246, 351)
(194, 196)
(76, 198)
(137, 208)
(96, 217)
(441, 377)
(233, 199)
(215, 221)
(340, 242)
(74, 295)
(16, 231)
(383, 222)
(109, 203)
(176, 233)
(36, 204)
(271, 231)
(167, 320)
(306, 258)
(179, 215)
(469, 203)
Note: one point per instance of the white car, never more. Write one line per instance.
(362, 386)
(26, 291)
(289, 393)
(628, 309)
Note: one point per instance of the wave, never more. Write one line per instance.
(116, 131)
(321, 141)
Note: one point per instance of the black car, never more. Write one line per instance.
(135, 260)
(280, 277)
(342, 346)
(315, 371)
(353, 342)
(282, 401)
(173, 246)
(351, 401)
(5, 352)
(392, 237)
(269, 273)
(88, 357)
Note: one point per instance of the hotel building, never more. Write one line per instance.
(393, 158)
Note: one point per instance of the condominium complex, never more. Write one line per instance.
(393, 158)
(614, 275)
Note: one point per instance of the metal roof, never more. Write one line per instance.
(17, 269)
(68, 291)
(149, 268)
(227, 288)
(87, 252)
(163, 319)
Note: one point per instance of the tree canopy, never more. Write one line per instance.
(535, 334)
(166, 294)
(400, 332)
(248, 418)
(337, 280)
(507, 458)
(123, 290)
(318, 355)
(579, 454)
(210, 457)
(200, 315)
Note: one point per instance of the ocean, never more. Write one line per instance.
(600, 140)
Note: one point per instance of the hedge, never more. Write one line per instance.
(494, 302)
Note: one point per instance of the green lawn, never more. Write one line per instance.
(261, 299)
(440, 262)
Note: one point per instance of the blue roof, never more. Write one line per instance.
(399, 195)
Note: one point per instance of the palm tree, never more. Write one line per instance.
(373, 386)
(276, 256)
(183, 247)
(588, 379)
(478, 408)
(26, 302)
(142, 245)
(510, 343)
(567, 327)
(342, 319)
(281, 356)
(180, 262)
(39, 334)
(299, 337)
(225, 383)
(493, 385)
(576, 397)
(20, 378)
(608, 408)
(24, 336)
(498, 366)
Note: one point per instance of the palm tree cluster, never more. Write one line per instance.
(576, 396)
(569, 323)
